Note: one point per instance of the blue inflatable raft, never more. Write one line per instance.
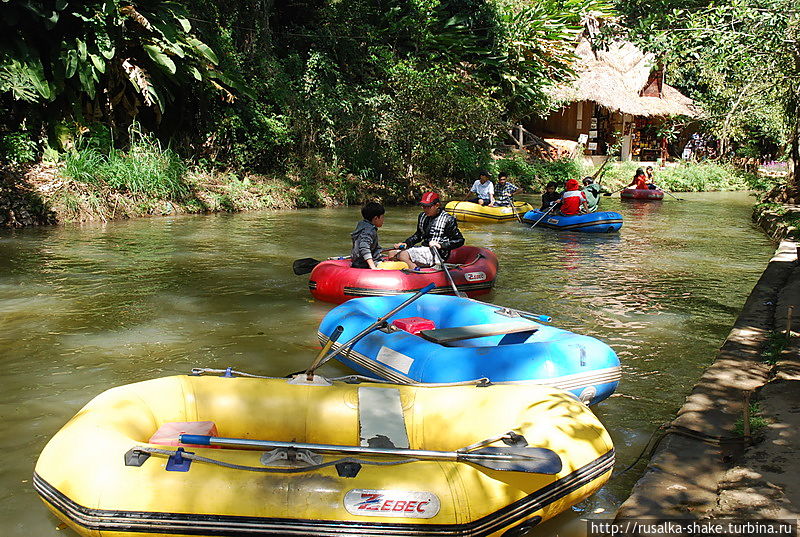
(599, 222)
(459, 339)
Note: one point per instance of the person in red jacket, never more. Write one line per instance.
(639, 180)
(573, 200)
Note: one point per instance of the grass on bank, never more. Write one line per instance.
(757, 421)
(684, 177)
(145, 168)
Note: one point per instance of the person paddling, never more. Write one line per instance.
(549, 196)
(639, 180)
(504, 193)
(592, 191)
(435, 228)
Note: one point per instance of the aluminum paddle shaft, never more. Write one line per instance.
(380, 323)
(514, 459)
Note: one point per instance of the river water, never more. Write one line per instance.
(86, 308)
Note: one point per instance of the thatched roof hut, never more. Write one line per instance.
(623, 79)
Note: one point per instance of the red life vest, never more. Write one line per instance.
(571, 202)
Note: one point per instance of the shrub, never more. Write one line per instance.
(535, 174)
(146, 168)
(17, 148)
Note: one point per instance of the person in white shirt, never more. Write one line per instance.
(483, 189)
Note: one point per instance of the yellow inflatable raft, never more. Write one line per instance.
(325, 459)
(466, 211)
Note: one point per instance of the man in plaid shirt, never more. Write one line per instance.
(435, 228)
(504, 191)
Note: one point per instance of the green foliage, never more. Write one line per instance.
(757, 422)
(535, 174)
(72, 50)
(397, 88)
(146, 168)
(17, 148)
(776, 343)
(686, 177)
(85, 166)
(740, 59)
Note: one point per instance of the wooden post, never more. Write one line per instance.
(746, 416)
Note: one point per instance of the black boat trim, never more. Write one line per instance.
(234, 526)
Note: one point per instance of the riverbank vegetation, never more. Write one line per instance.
(133, 108)
(740, 61)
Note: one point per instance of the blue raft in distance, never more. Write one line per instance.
(599, 222)
(471, 340)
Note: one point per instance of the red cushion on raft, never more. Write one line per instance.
(414, 325)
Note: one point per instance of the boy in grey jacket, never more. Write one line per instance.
(366, 251)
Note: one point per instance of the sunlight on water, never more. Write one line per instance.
(83, 309)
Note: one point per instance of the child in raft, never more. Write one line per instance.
(366, 252)
(639, 180)
(649, 173)
(549, 196)
(573, 200)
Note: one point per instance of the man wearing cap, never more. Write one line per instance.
(435, 228)
(483, 189)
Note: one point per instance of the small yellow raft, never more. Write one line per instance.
(102, 477)
(466, 211)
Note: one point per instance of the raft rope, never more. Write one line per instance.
(671, 428)
(198, 371)
(269, 469)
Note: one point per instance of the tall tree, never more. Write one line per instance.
(741, 56)
(101, 58)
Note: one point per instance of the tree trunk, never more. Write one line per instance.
(793, 180)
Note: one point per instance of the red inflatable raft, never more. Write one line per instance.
(641, 194)
(473, 270)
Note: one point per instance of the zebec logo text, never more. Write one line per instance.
(392, 503)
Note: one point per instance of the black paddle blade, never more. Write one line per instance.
(304, 266)
(532, 460)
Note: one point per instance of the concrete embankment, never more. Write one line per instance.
(705, 466)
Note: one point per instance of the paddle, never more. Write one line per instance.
(307, 264)
(617, 190)
(438, 257)
(514, 208)
(600, 169)
(511, 459)
(668, 192)
(553, 206)
(378, 324)
(331, 340)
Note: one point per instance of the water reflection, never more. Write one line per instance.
(86, 308)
